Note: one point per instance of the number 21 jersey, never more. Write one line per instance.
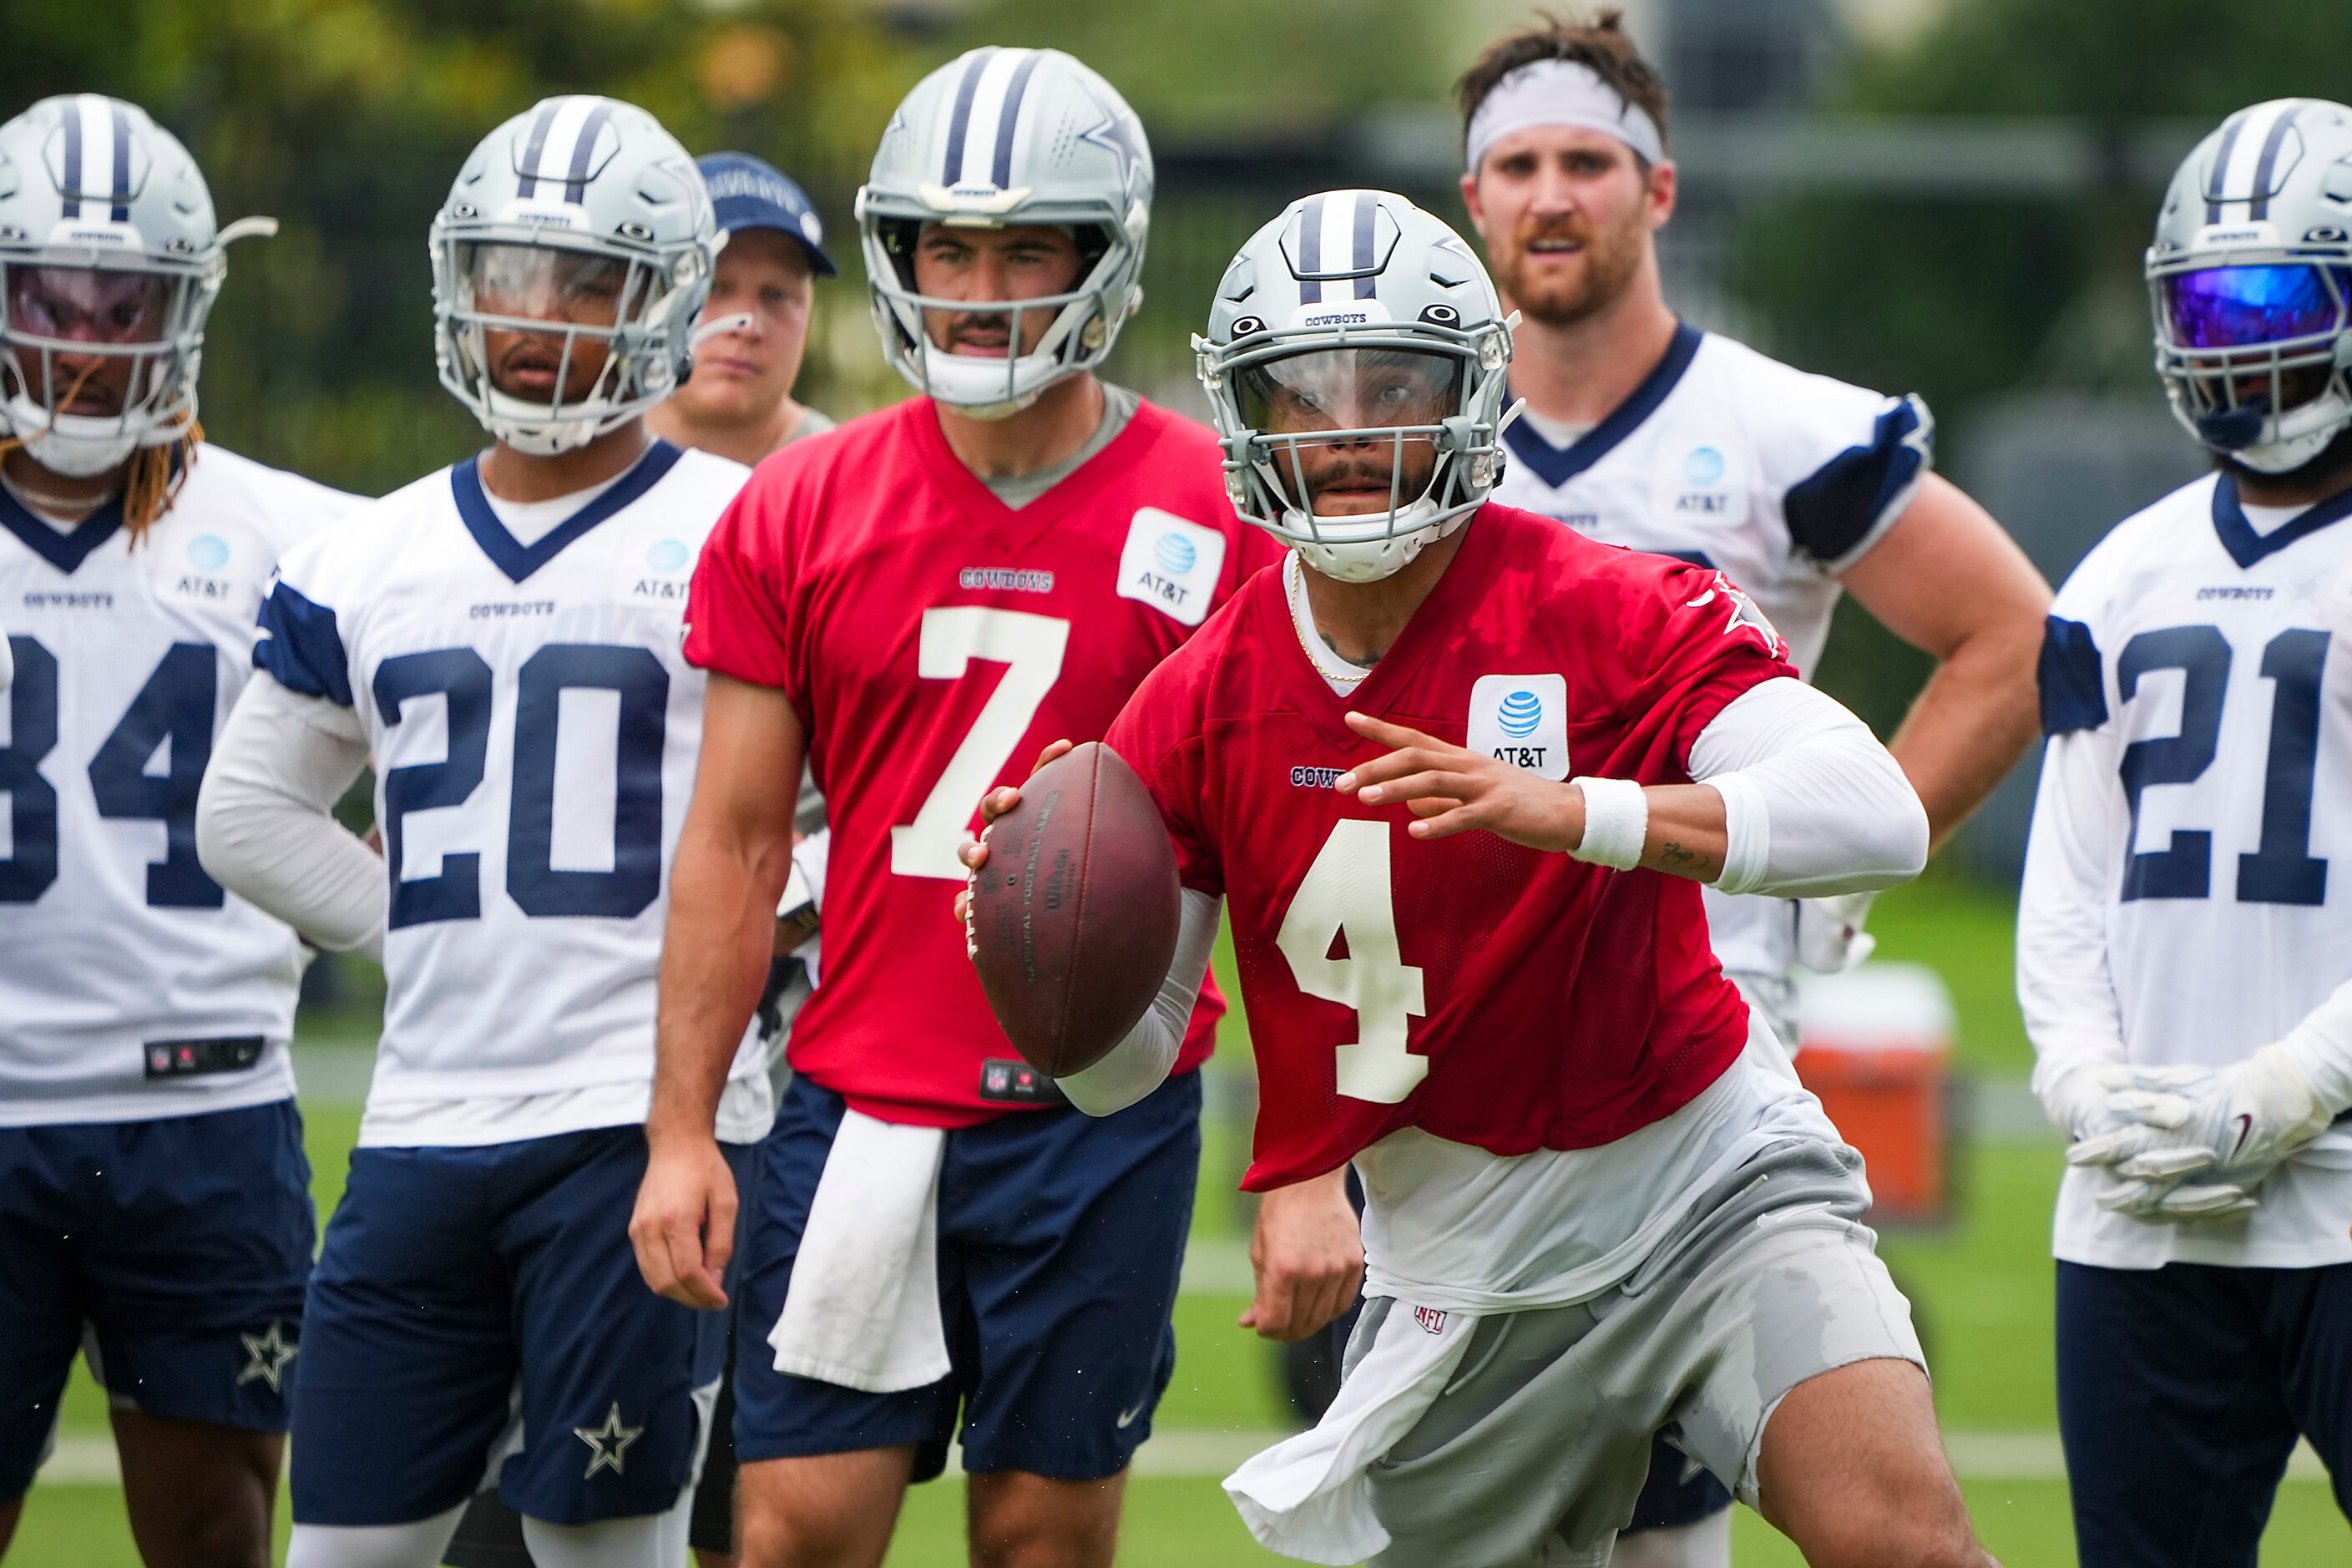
(932, 641)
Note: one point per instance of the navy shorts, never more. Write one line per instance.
(181, 1243)
(452, 1279)
(1061, 1237)
(2180, 1392)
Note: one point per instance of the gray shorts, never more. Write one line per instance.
(1537, 1450)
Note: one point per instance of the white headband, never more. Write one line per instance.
(1561, 92)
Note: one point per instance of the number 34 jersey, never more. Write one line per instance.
(132, 985)
(2189, 883)
(1490, 994)
(534, 731)
(932, 641)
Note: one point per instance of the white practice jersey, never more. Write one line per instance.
(132, 985)
(1780, 478)
(534, 731)
(2187, 891)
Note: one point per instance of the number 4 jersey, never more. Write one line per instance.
(932, 641)
(2186, 899)
(1490, 994)
(132, 985)
(534, 731)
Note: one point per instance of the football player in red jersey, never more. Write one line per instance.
(1460, 775)
(916, 602)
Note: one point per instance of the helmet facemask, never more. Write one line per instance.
(552, 345)
(1078, 323)
(2256, 358)
(100, 361)
(1360, 448)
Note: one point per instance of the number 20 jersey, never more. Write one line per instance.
(132, 985)
(534, 731)
(932, 641)
(1487, 993)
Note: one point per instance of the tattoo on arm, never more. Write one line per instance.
(1682, 862)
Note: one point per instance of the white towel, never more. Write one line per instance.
(1307, 1497)
(862, 1309)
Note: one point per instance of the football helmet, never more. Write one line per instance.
(580, 220)
(110, 261)
(2250, 277)
(998, 138)
(1357, 345)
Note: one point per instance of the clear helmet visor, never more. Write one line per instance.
(1350, 430)
(542, 321)
(95, 343)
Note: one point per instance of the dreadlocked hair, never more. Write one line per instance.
(151, 481)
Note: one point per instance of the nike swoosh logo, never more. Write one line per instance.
(1127, 1417)
(2246, 1129)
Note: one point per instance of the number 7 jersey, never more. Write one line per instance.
(534, 731)
(932, 641)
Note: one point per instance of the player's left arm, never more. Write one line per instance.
(1793, 796)
(1946, 578)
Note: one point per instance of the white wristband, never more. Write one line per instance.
(1616, 823)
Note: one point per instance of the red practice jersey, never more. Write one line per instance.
(932, 641)
(1487, 993)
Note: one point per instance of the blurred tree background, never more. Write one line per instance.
(2015, 307)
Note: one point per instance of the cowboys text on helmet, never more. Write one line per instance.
(998, 139)
(2251, 276)
(1355, 364)
(570, 262)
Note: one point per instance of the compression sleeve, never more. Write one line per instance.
(1812, 804)
(265, 823)
(2064, 985)
(1140, 1062)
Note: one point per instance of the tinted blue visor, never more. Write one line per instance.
(2252, 307)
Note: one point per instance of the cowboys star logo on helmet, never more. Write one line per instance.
(998, 138)
(2251, 273)
(584, 213)
(102, 213)
(1356, 342)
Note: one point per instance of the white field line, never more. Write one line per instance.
(1976, 1456)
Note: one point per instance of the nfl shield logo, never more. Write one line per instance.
(1430, 1318)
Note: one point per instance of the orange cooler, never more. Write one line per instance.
(1878, 1051)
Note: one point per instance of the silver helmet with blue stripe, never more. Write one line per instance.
(2251, 273)
(1000, 138)
(570, 262)
(1355, 363)
(110, 262)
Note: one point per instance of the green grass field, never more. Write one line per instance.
(1981, 1287)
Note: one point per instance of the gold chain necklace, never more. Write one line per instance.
(1293, 590)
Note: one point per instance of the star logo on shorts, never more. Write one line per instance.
(608, 1444)
(270, 1353)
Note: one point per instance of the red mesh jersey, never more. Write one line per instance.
(932, 641)
(1487, 993)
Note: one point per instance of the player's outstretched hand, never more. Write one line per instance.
(1452, 789)
(994, 805)
(1307, 1253)
(684, 1227)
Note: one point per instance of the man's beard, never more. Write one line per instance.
(1611, 261)
(2330, 471)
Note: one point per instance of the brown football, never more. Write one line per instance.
(1074, 916)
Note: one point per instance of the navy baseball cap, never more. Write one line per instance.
(750, 194)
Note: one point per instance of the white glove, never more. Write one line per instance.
(2238, 1123)
(1830, 937)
